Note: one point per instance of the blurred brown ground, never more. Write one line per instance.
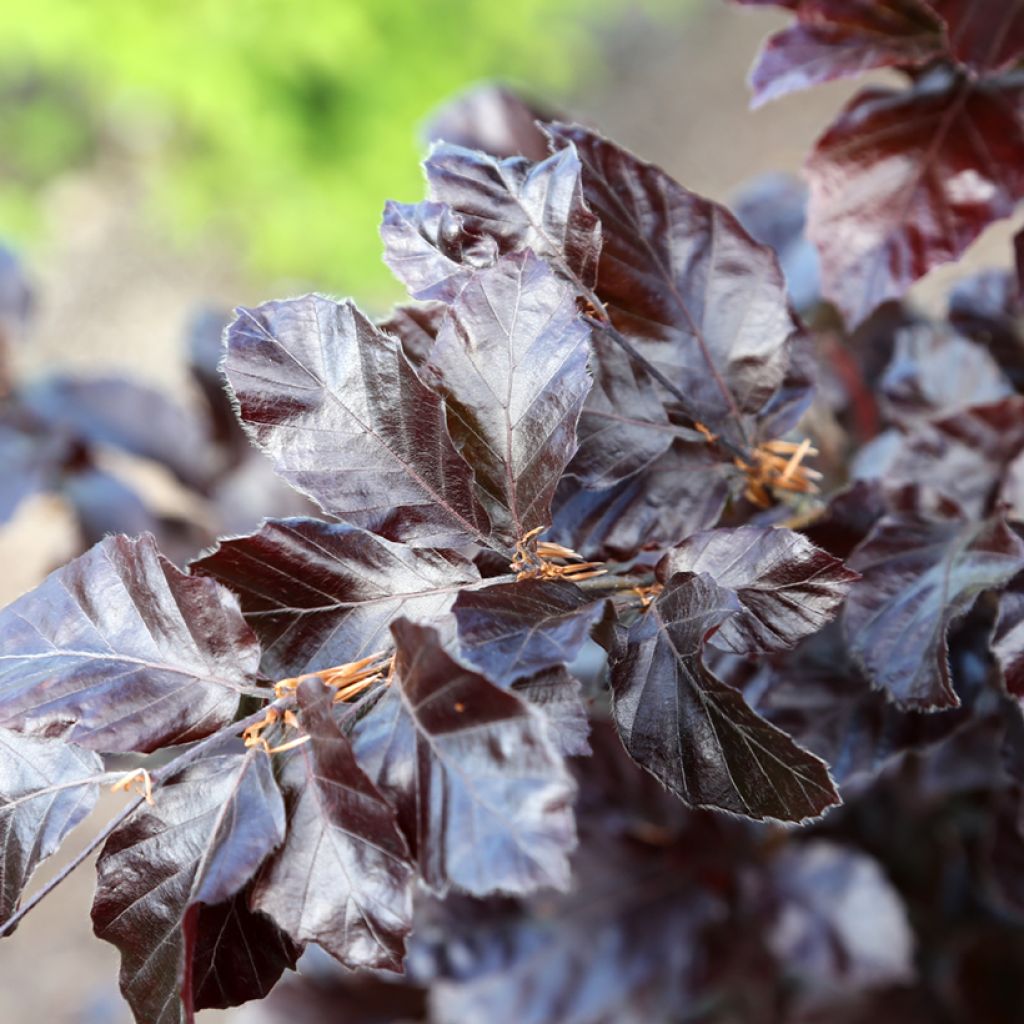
(113, 296)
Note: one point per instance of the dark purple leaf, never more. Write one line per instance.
(935, 372)
(679, 493)
(987, 308)
(415, 325)
(521, 205)
(559, 697)
(121, 651)
(103, 504)
(821, 935)
(841, 38)
(46, 788)
(695, 733)
(786, 587)
(511, 362)
(322, 594)
(482, 794)
(919, 575)
(343, 877)
(238, 954)
(124, 414)
(986, 35)
(200, 843)
(939, 162)
(513, 630)
(431, 250)
(491, 118)
(350, 996)
(30, 460)
(317, 386)
(961, 457)
(1008, 639)
(685, 283)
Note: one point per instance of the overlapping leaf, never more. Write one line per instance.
(200, 844)
(44, 793)
(905, 180)
(119, 651)
(839, 38)
(318, 389)
(415, 324)
(685, 283)
(481, 792)
(985, 35)
(342, 878)
(786, 587)
(511, 362)
(920, 574)
(695, 733)
(513, 630)
(322, 594)
(559, 697)
(1008, 639)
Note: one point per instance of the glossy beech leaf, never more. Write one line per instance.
(935, 372)
(919, 575)
(513, 630)
(340, 411)
(124, 414)
(119, 651)
(986, 35)
(322, 594)
(905, 180)
(695, 733)
(559, 696)
(961, 457)
(199, 844)
(44, 793)
(430, 249)
(521, 205)
(685, 283)
(786, 587)
(415, 325)
(681, 492)
(482, 794)
(343, 877)
(511, 362)
(238, 954)
(840, 38)
(491, 118)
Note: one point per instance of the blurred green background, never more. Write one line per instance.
(277, 127)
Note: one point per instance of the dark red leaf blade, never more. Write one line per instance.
(1008, 638)
(786, 587)
(200, 843)
(696, 734)
(482, 794)
(120, 651)
(343, 877)
(919, 575)
(415, 325)
(238, 954)
(513, 630)
(685, 284)
(905, 180)
(44, 793)
(317, 385)
(511, 363)
(841, 38)
(321, 594)
(559, 697)
(521, 205)
(985, 35)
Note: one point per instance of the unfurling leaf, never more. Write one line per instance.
(197, 847)
(482, 794)
(511, 362)
(786, 587)
(695, 733)
(919, 575)
(343, 877)
(120, 651)
(318, 389)
(513, 630)
(45, 791)
(322, 594)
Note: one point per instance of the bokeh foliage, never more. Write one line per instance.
(279, 125)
